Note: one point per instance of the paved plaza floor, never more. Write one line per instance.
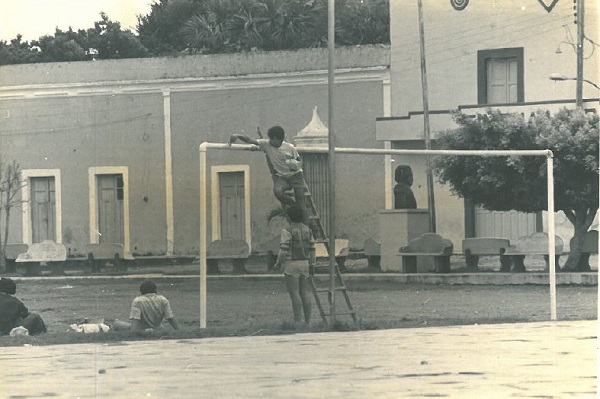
(525, 360)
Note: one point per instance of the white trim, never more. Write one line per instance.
(304, 78)
(25, 197)
(387, 159)
(108, 170)
(215, 199)
(168, 173)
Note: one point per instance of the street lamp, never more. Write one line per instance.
(560, 77)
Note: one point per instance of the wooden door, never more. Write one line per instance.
(110, 208)
(43, 209)
(232, 205)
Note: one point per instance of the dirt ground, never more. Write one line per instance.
(256, 305)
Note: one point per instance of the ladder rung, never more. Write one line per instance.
(339, 313)
(327, 289)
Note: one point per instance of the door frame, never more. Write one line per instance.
(93, 200)
(216, 203)
(27, 174)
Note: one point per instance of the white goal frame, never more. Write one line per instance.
(204, 147)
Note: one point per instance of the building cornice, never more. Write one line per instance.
(320, 77)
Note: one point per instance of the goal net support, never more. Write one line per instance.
(206, 146)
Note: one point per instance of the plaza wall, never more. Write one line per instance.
(75, 116)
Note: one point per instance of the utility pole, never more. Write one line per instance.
(579, 10)
(331, 155)
(430, 196)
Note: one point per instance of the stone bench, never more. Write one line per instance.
(533, 244)
(342, 249)
(11, 253)
(429, 245)
(372, 250)
(44, 254)
(111, 255)
(475, 247)
(589, 246)
(236, 251)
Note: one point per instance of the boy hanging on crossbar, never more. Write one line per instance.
(284, 164)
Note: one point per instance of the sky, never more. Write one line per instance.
(35, 18)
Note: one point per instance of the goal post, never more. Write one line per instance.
(204, 147)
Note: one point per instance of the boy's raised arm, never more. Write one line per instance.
(241, 137)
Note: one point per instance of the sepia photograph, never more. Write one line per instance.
(299, 198)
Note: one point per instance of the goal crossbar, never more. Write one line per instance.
(204, 147)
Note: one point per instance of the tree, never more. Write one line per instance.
(519, 183)
(63, 46)
(226, 26)
(112, 42)
(10, 187)
(160, 30)
(18, 52)
(362, 22)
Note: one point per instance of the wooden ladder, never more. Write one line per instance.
(321, 237)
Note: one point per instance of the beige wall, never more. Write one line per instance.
(452, 40)
(73, 116)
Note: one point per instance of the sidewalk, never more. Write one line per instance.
(549, 360)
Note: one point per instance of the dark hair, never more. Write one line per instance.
(8, 286)
(276, 132)
(404, 174)
(148, 287)
(295, 213)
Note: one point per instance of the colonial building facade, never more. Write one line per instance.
(481, 54)
(110, 149)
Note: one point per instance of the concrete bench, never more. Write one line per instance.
(430, 245)
(475, 247)
(372, 250)
(342, 249)
(109, 255)
(589, 246)
(44, 254)
(236, 251)
(533, 244)
(11, 253)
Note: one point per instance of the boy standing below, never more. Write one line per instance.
(285, 165)
(297, 255)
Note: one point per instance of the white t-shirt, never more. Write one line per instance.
(150, 310)
(285, 159)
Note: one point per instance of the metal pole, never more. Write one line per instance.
(551, 235)
(203, 234)
(580, 36)
(331, 154)
(430, 194)
(364, 151)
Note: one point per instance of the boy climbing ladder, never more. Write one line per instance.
(285, 166)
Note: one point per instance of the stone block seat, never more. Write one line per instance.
(234, 250)
(475, 247)
(589, 246)
(43, 254)
(342, 249)
(372, 250)
(533, 244)
(428, 244)
(107, 255)
(11, 253)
